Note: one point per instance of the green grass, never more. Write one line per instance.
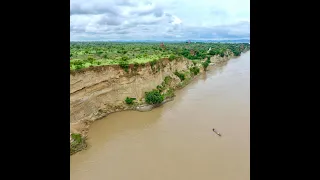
(130, 101)
(114, 62)
(86, 54)
(167, 80)
(153, 97)
(180, 75)
(78, 143)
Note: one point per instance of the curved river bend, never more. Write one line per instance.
(176, 141)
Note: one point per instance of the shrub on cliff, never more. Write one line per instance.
(195, 70)
(160, 88)
(153, 62)
(153, 97)
(180, 75)
(135, 66)
(78, 143)
(172, 57)
(206, 64)
(124, 65)
(167, 80)
(169, 93)
(130, 100)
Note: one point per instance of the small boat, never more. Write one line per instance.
(216, 132)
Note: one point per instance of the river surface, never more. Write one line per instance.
(176, 141)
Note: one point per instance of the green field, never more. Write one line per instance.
(86, 54)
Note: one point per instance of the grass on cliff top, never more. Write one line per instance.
(86, 54)
(101, 62)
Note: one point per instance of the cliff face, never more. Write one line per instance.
(98, 91)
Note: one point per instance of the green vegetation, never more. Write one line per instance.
(153, 62)
(169, 93)
(180, 75)
(206, 64)
(153, 97)
(135, 66)
(194, 70)
(172, 57)
(86, 54)
(130, 101)
(78, 143)
(160, 88)
(124, 65)
(167, 80)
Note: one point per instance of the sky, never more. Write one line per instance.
(159, 19)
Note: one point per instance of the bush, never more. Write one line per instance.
(167, 79)
(130, 100)
(195, 70)
(76, 137)
(169, 93)
(135, 66)
(237, 53)
(205, 65)
(124, 65)
(180, 75)
(77, 144)
(160, 88)
(172, 57)
(78, 64)
(152, 63)
(153, 97)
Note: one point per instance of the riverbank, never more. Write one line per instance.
(99, 91)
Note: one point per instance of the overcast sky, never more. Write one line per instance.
(159, 19)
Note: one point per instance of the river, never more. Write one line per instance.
(176, 141)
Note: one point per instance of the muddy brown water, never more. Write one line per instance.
(176, 141)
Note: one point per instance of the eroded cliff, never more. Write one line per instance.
(98, 91)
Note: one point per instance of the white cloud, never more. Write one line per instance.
(155, 19)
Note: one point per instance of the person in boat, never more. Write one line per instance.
(216, 132)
